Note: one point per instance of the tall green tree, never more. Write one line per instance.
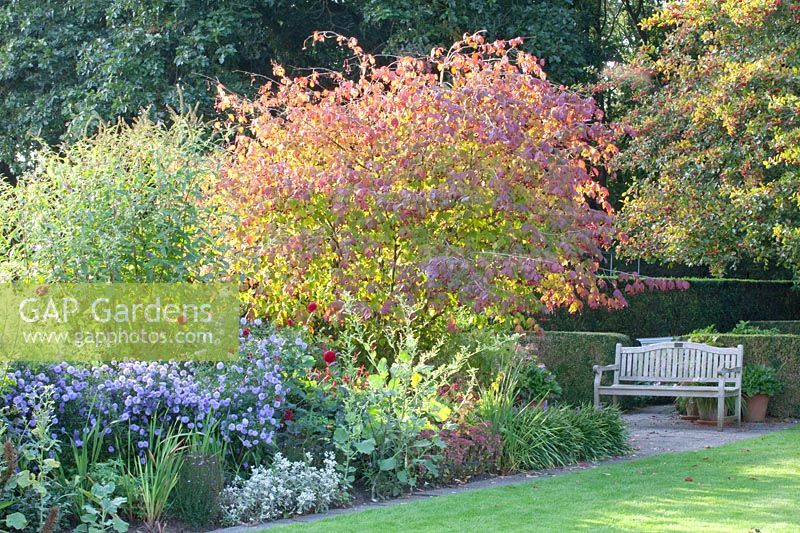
(717, 145)
(66, 64)
(551, 28)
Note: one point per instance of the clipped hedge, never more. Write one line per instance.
(779, 351)
(789, 327)
(571, 355)
(721, 302)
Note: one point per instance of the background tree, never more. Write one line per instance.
(66, 65)
(717, 145)
(554, 30)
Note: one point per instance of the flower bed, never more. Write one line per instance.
(288, 427)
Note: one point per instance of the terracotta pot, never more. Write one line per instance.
(713, 423)
(707, 410)
(756, 408)
(692, 413)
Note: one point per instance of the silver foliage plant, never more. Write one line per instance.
(285, 488)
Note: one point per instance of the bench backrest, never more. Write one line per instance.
(677, 362)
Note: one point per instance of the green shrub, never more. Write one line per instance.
(537, 383)
(571, 355)
(722, 302)
(743, 327)
(789, 327)
(760, 379)
(781, 352)
(387, 407)
(122, 205)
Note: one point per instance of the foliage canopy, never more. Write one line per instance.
(463, 179)
(717, 148)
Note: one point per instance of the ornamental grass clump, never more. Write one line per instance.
(535, 437)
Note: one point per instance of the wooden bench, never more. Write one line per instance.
(676, 369)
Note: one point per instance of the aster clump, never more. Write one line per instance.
(240, 398)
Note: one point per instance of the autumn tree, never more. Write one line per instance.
(464, 179)
(716, 148)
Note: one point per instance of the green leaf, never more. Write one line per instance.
(101, 491)
(366, 446)
(24, 479)
(375, 381)
(387, 464)
(443, 413)
(402, 477)
(340, 435)
(120, 525)
(16, 520)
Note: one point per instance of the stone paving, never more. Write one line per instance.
(658, 429)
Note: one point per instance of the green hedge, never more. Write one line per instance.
(571, 355)
(789, 327)
(722, 302)
(779, 351)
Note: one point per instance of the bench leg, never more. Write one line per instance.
(597, 378)
(720, 412)
(739, 410)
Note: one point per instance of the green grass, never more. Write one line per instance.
(738, 487)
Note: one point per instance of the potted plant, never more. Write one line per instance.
(537, 385)
(687, 408)
(759, 382)
(707, 410)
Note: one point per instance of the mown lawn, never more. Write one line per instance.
(749, 485)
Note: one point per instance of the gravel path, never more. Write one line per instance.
(658, 429)
(653, 430)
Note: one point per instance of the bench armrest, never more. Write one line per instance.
(729, 370)
(600, 369)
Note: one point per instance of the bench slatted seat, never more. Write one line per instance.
(676, 369)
